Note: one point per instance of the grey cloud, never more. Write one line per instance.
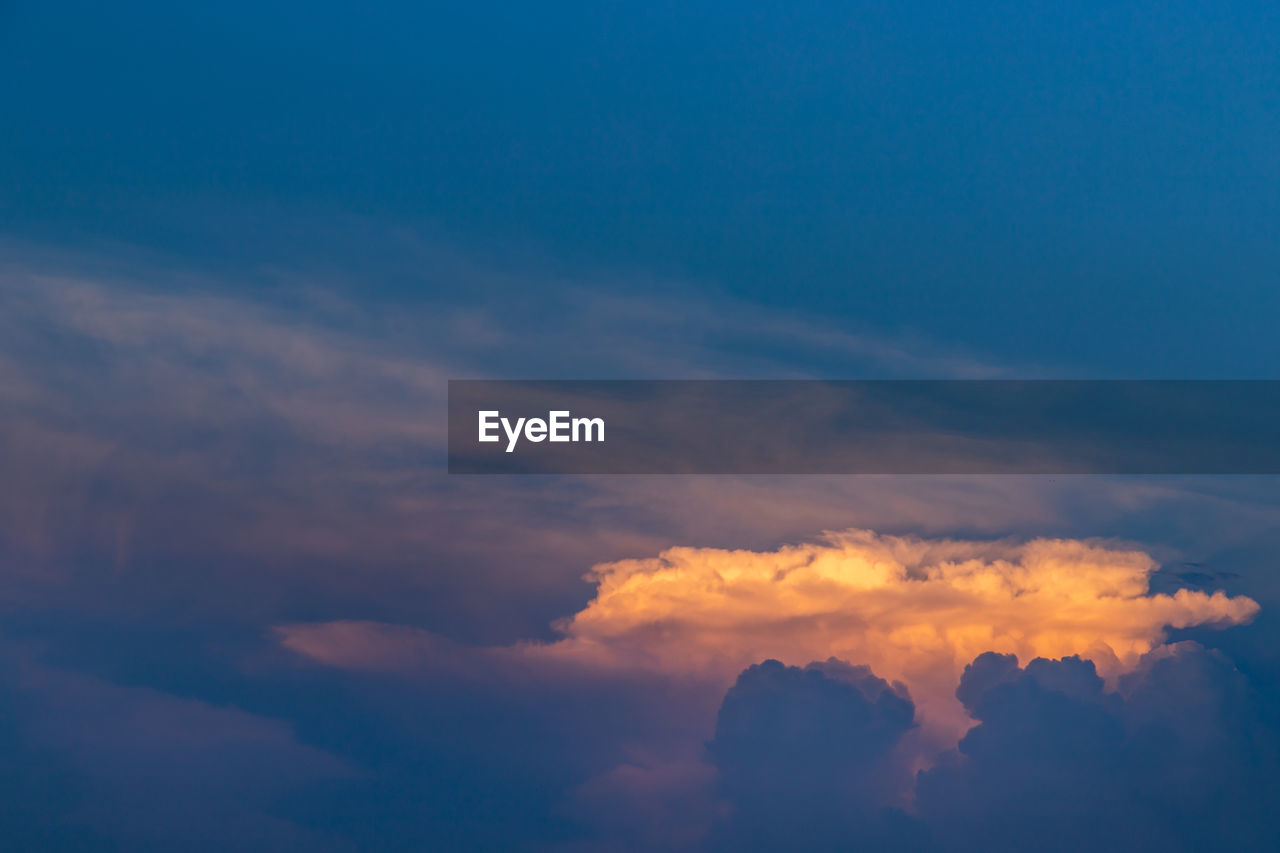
(804, 759)
(102, 766)
(1179, 758)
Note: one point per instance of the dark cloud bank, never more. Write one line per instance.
(1178, 758)
(805, 758)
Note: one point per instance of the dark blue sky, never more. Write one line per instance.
(1094, 188)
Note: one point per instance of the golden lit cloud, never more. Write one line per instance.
(914, 610)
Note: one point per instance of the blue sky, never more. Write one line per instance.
(243, 247)
(1092, 188)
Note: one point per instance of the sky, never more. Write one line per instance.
(243, 247)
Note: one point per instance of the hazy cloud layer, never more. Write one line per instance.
(223, 509)
(93, 765)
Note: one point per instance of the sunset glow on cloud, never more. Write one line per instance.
(914, 610)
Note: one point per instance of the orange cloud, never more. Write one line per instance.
(914, 610)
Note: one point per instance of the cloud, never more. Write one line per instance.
(152, 412)
(191, 452)
(646, 803)
(831, 719)
(830, 750)
(915, 610)
(101, 765)
(805, 758)
(275, 430)
(1179, 758)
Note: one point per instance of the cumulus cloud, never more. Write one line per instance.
(1178, 758)
(805, 757)
(914, 610)
(830, 751)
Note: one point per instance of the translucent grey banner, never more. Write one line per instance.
(864, 427)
